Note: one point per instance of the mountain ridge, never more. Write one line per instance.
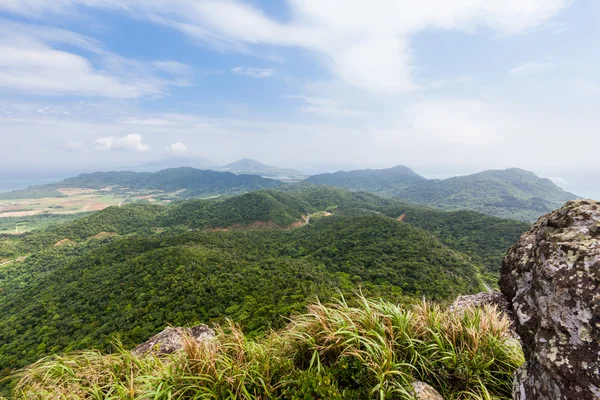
(511, 193)
(195, 182)
(380, 181)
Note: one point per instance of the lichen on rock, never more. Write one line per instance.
(551, 276)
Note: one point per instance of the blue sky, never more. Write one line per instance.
(443, 87)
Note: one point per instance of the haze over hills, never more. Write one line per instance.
(511, 193)
(245, 166)
(191, 181)
(253, 167)
(175, 162)
(385, 182)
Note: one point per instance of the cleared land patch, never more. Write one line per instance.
(75, 200)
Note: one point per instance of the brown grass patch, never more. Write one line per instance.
(63, 242)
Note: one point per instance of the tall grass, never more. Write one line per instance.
(370, 351)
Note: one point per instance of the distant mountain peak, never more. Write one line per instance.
(400, 168)
(386, 181)
(508, 193)
(253, 167)
(247, 164)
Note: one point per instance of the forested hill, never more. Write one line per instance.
(512, 193)
(128, 271)
(84, 294)
(191, 181)
(386, 182)
(483, 238)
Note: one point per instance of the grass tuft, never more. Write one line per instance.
(372, 350)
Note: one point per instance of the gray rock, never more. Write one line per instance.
(171, 340)
(552, 278)
(424, 391)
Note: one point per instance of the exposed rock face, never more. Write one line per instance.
(424, 391)
(552, 278)
(171, 340)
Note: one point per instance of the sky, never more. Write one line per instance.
(444, 87)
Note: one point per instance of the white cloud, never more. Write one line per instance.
(177, 148)
(528, 69)
(461, 122)
(71, 145)
(325, 107)
(147, 121)
(365, 44)
(30, 63)
(172, 67)
(131, 142)
(253, 72)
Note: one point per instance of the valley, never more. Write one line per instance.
(299, 200)
(257, 258)
(118, 255)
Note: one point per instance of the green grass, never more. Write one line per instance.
(371, 351)
(33, 222)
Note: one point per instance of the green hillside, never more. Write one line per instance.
(125, 272)
(84, 295)
(511, 193)
(386, 182)
(485, 239)
(195, 182)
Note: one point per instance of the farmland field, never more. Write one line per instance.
(20, 215)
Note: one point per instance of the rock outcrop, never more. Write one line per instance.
(424, 391)
(171, 340)
(551, 276)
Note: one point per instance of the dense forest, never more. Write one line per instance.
(84, 295)
(483, 238)
(512, 193)
(126, 272)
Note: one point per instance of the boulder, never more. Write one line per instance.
(171, 340)
(551, 277)
(424, 391)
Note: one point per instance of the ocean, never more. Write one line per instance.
(7, 185)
